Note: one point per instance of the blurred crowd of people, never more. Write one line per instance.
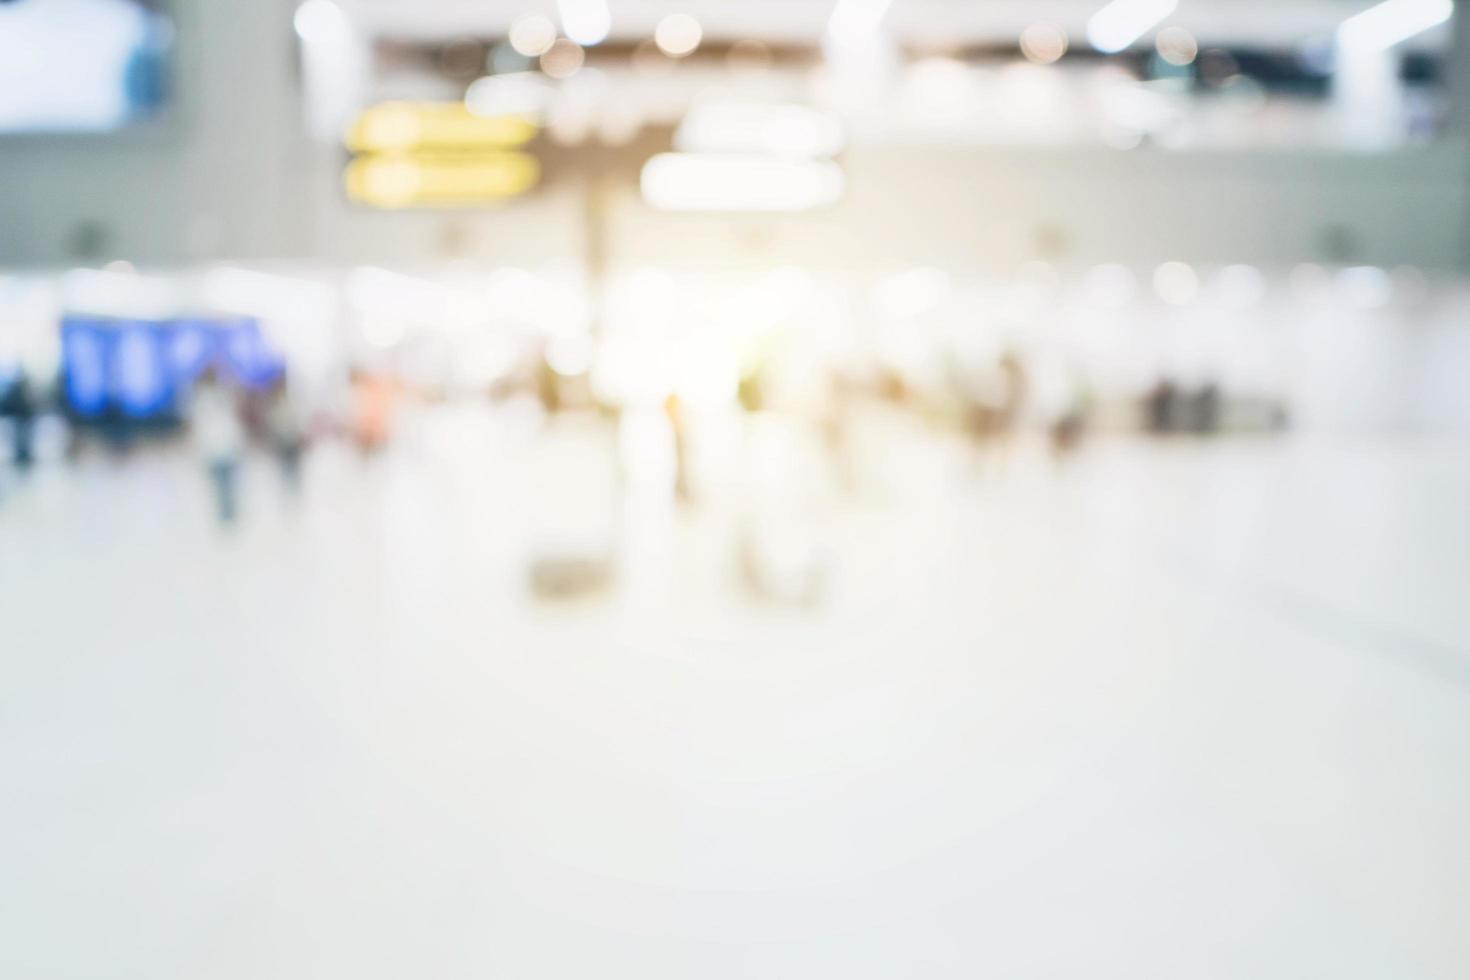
(989, 403)
(220, 417)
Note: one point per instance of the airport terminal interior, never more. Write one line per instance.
(734, 489)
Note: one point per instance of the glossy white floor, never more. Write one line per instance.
(1173, 711)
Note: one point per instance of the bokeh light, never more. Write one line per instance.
(1176, 283)
(563, 59)
(532, 35)
(678, 35)
(1177, 46)
(1043, 43)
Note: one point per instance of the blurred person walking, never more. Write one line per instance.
(20, 405)
(1161, 408)
(219, 435)
(372, 411)
(1016, 387)
(994, 399)
(1069, 427)
(286, 429)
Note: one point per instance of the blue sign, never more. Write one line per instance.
(141, 368)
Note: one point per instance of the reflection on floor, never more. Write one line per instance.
(1183, 710)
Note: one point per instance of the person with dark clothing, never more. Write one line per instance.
(1207, 410)
(20, 406)
(1161, 407)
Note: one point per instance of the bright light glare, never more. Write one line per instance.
(716, 182)
(939, 92)
(914, 293)
(855, 23)
(1043, 43)
(1122, 22)
(319, 20)
(390, 301)
(652, 296)
(570, 356)
(587, 22)
(532, 35)
(678, 35)
(765, 128)
(1177, 46)
(1392, 22)
(334, 64)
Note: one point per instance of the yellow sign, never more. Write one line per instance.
(430, 179)
(437, 154)
(393, 127)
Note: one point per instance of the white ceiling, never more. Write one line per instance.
(1265, 22)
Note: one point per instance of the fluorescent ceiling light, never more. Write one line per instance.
(587, 22)
(855, 23)
(1122, 22)
(772, 129)
(727, 182)
(1380, 28)
(521, 93)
